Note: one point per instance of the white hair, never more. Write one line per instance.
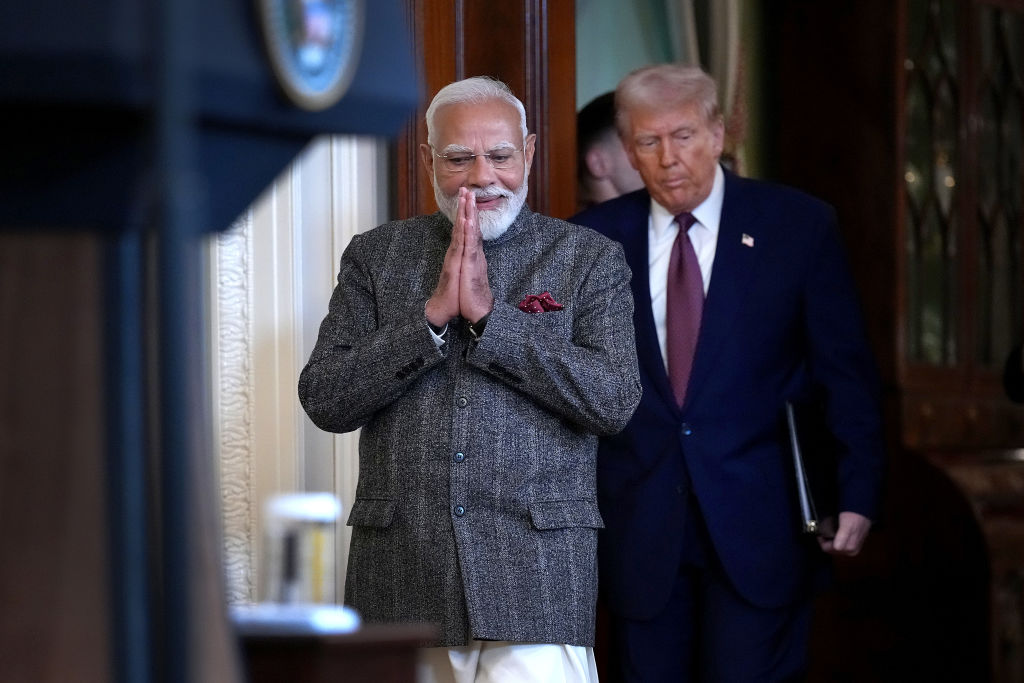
(473, 90)
(666, 86)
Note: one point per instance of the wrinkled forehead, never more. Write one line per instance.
(478, 126)
(663, 120)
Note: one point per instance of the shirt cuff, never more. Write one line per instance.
(438, 335)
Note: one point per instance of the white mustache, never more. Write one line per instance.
(485, 195)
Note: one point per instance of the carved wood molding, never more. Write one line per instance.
(234, 401)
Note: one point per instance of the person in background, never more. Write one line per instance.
(602, 167)
(743, 301)
(482, 350)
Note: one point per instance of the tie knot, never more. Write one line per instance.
(686, 221)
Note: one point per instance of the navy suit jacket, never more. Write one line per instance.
(781, 322)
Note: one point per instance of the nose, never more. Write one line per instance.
(666, 154)
(481, 173)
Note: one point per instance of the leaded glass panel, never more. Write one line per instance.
(1000, 179)
(930, 175)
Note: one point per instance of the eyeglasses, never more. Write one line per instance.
(458, 162)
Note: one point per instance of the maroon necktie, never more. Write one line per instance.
(684, 304)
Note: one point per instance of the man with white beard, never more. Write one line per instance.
(482, 350)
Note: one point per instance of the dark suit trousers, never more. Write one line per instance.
(708, 632)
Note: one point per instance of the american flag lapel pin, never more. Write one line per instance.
(747, 240)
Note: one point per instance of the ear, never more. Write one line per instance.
(598, 164)
(427, 157)
(631, 155)
(718, 131)
(528, 148)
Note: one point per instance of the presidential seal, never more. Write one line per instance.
(313, 46)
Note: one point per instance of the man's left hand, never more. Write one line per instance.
(853, 530)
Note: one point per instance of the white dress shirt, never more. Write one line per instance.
(661, 233)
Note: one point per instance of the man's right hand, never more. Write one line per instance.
(443, 304)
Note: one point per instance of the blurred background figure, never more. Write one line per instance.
(602, 167)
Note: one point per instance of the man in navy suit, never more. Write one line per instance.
(704, 567)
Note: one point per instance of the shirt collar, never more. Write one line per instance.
(708, 213)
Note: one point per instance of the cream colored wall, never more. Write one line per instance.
(271, 276)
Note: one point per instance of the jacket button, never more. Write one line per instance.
(459, 457)
(463, 401)
(459, 510)
(687, 430)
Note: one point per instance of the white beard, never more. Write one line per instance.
(493, 222)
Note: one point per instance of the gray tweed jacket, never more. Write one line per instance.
(476, 505)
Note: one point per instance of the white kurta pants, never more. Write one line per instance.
(486, 661)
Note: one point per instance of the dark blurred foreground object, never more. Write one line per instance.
(133, 128)
(379, 653)
(86, 86)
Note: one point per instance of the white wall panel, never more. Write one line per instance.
(271, 278)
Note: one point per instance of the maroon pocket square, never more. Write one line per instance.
(539, 303)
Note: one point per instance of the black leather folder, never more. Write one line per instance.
(814, 468)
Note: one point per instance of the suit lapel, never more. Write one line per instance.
(735, 260)
(634, 239)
